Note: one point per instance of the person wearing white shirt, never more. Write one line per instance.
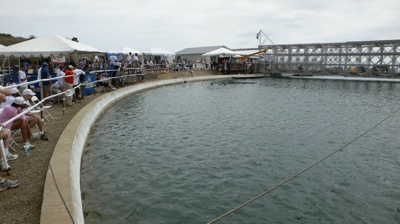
(77, 74)
(96, 62)
(129, 60)
(23, 78)
(60, 75)
(135, 57)
(11, 82)
(38, 75)
(112, 59)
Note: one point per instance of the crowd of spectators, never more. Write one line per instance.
(17, 98)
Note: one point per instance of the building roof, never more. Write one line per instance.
(198, 50)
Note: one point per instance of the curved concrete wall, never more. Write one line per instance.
(63, 175)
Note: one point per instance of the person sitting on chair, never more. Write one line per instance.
(105, 82)
(33, 118)
(11, 111)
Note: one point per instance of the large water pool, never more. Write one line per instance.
(189, 153)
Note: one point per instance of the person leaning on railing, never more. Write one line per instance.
(69, 78)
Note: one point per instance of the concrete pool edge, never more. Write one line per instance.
(62, 195)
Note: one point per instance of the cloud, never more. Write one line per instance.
(179, 24)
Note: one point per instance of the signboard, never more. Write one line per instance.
(58, 60)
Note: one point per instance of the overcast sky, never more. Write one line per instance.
(178, 24)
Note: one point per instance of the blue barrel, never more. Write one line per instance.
(89, 87)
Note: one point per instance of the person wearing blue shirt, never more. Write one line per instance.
(45, 74)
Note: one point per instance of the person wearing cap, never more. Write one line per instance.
(11, 111)
(46, 85)
(33, 118)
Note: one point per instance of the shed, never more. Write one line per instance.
(195, 53)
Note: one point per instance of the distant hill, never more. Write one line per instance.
(8, 39)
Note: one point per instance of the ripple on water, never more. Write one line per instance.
(188, 153)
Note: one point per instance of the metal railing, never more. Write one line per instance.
(111, 74)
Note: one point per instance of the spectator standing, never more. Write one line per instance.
(96, 62)
(26, 66)
(129, 60)
(46, 85)
(69, 80)
(61, 75)
(81, 64)
(112, 59)
(77, 74)
(23, 78)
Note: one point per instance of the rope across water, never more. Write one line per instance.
(301, 172)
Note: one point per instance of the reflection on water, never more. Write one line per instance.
(189, 153)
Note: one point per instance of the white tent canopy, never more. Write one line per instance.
(157, 51)
(125, 50)
(3, 48)
(220, 51)
(45, 46)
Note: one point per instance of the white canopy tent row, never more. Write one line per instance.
(46, 46)
(125, 50)
(164, 54)
(157, 51)
(221, 52)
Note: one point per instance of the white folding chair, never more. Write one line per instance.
(12, 141)
(45, 110)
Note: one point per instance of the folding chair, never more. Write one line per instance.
(46, 113)
(12, 141)
(45, 110)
